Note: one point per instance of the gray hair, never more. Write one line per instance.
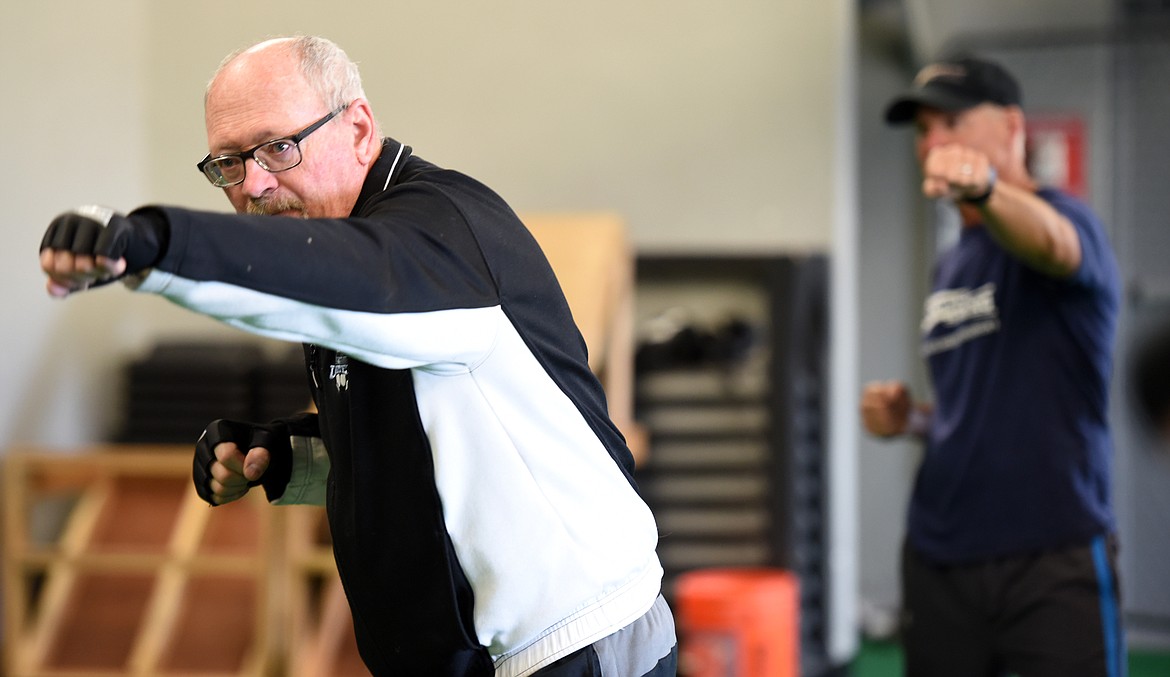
(326, 68)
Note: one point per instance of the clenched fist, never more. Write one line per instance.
(886, 408)
(91, 246)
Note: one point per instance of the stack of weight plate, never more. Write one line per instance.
(176, 390)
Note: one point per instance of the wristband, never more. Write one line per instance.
(992, 176)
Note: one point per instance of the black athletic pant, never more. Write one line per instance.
(1048, 614)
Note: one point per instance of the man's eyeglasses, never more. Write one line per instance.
(276, 155)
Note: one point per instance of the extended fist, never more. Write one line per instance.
(91, 246)
(958, 172)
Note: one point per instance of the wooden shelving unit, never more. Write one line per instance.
(113, 566)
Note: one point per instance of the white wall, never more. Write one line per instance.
(73, 96)
(705, 126)
(710, 127)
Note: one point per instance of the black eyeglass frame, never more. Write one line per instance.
(244, 156)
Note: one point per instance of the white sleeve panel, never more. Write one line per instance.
(442, 340)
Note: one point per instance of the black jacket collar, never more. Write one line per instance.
(385, 171)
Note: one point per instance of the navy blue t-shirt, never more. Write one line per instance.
(1018, 453)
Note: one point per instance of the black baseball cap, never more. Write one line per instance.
(954, 85)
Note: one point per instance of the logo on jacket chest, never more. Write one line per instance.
(339, 372)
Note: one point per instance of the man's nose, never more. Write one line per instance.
(257, 180)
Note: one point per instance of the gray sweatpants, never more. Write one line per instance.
(645, 648)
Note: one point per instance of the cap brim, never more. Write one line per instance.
(903, 109)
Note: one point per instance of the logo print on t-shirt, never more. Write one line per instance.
(959, 315)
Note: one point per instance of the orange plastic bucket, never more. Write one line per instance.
(738, 623)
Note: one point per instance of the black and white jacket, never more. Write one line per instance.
(481, 502)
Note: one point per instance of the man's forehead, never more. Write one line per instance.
(978, 115)
(253, 102)
(242, 123)
(261, 76)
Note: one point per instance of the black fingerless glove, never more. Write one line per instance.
(273, 436)
(140, 238)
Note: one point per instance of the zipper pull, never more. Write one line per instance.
(313, 365)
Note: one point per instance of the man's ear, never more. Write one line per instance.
(366, 140)
(1017, 125)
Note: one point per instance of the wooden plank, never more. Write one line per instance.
(61, 577)
(170, 586)
(16, 593)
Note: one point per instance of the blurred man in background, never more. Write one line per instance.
(1009, 563)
